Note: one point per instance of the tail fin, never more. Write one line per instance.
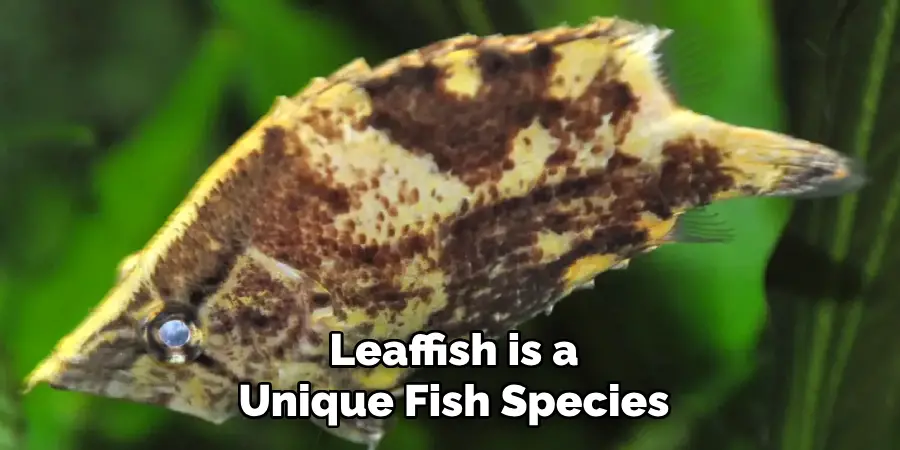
(765, 163)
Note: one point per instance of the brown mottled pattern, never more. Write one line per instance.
(231, 216)
(691, 174)
(113, 357)
(283, 202)
(470, 138)
(504, 234)
(467, 185)
(257, 317)
(298, 227)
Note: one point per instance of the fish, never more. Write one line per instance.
(469, 185)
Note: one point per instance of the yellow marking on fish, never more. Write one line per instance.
(463, 77)
(587, 268)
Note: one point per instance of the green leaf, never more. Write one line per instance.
(283, 48)
(837, 356)
(138, 185)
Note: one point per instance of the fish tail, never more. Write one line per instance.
(769, 164)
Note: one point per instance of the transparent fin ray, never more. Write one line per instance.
(701, 225)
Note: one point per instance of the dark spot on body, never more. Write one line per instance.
(321, 299)
(215, 278)
(561, 157)
(257, 318)
(691, 174)
(617, 99)
(468, 137)
(498, 62)
(421, 77)
(604, 96)
(620, 161)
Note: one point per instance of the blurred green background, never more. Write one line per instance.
(785, 338)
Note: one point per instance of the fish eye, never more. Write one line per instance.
(174, 333)
(172, 336)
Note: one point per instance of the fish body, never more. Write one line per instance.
(467, 185)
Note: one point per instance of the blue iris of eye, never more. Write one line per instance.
(174, 333)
